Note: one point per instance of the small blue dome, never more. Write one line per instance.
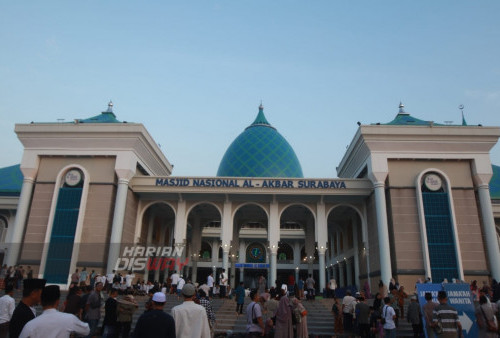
(260, 151)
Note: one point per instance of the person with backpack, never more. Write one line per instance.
(255, 324)
(388, 317)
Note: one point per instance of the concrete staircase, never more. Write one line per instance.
(319, 319)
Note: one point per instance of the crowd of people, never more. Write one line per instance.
(276, 311)
(353, 317)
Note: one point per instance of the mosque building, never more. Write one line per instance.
(413, 199)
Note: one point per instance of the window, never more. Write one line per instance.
(439, 228)
(63, 228)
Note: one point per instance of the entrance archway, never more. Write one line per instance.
(249, 245)
(157, 229)
(347, 261)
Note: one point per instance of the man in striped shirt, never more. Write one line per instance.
(446, 317)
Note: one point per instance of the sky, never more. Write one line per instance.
(195, 72)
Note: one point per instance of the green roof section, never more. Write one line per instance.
(105, 117)
(495, 183)
(260, 151)
(405, 119)
(11, 180)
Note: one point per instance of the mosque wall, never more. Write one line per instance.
(36, 226)
(405, 218)
(97, 222)
(144, 222)
(407, 258)
(98, 213)
(403, 173)
(128, 233)
(470, 233)
(100, 169)
(373, 250)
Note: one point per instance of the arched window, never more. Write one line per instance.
(64, 226)
(205, 251)
(439, 228)
(285, 252)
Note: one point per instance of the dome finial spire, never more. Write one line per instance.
(401, 107)
(261, 107)
(110, 107)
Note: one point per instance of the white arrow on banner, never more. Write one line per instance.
(466, 322)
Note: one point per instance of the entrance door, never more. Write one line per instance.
(251, 278)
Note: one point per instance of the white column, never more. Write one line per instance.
(215, 254)
(195, 246)
(161, 242)
(233, 272)
(272, 264)
(296, 255)
(489, 230)
(180, 230)
(194, 276)
(349, 272)
(125, 167)
(150, 229)
(21, 217)
(383, 233)
(273, 237)
(149, 240)
(321, 238)
(226, 233)
(321, 256)
(341, 274)
(241, 259)
(356, 256)
(117, 226)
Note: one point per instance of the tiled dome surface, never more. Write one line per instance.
(260, 151)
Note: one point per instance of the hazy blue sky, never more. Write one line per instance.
(194, 72)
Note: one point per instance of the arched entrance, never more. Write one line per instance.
(249, 248)
(296, 234)
(205, 223)
(346, 259)
(158, 222)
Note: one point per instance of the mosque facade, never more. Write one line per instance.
(412, 199)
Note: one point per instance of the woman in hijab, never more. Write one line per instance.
(338, 317)
(300, 312)
(270, 307)
(284, 328)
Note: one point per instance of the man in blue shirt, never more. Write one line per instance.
(255, 324)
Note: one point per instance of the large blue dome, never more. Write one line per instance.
(260, 151)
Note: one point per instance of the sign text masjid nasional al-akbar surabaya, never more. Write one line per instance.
(250, 183)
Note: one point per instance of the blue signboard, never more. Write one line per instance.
(422, 289)
(460, 297)
(252, 265)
